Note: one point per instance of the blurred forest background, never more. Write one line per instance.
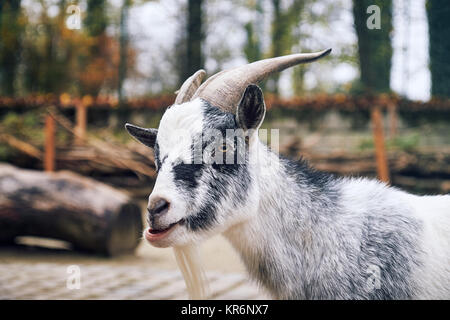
(122, 60)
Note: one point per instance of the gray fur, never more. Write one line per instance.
(327, 249)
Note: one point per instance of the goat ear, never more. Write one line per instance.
(251, 110)
(143, 135)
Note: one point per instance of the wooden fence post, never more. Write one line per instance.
(49, 157)
(380, 149)
(81, 120)
(392, 109)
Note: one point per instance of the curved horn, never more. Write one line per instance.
(189, 87)
(225, 88)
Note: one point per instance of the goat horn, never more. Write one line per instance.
(189, 87)
(225, 88)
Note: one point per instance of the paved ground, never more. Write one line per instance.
(54, 281)
(38, 269)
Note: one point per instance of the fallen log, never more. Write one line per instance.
(90, 215)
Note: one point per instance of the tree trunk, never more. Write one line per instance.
(374, 45)
(283, 24)
(96, 20)
(194, 39)
(278, 42)
(123, 41)
(10, 30)
(439, 34)
(375, 54)
(95, 23)
(90, 215)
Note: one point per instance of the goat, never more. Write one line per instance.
(301, 233)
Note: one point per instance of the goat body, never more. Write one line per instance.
(320, 237)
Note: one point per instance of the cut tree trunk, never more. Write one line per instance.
(90, 215)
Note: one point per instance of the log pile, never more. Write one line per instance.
(136, 158)
(88, 214)
(423, 171)
(94, 155)
(416, 163)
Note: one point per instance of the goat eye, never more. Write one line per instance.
(225, 147)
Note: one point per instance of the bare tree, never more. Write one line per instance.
(439, 30)
(10, 30)
(374, 45)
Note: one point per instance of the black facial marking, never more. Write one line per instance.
(203, 219)
(228, 181)
(187, 175)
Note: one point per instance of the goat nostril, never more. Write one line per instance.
(158, 207)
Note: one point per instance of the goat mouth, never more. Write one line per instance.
(157, 234)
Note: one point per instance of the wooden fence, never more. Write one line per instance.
(375, 105)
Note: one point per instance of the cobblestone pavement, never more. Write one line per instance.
(49, 281)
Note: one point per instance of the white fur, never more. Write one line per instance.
(434, 211)
(188, 260)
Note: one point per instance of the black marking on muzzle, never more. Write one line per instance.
(186, 175)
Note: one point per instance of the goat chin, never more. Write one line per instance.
(188, 260)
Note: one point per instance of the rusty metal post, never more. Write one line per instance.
(49, 157)
(380, 149)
